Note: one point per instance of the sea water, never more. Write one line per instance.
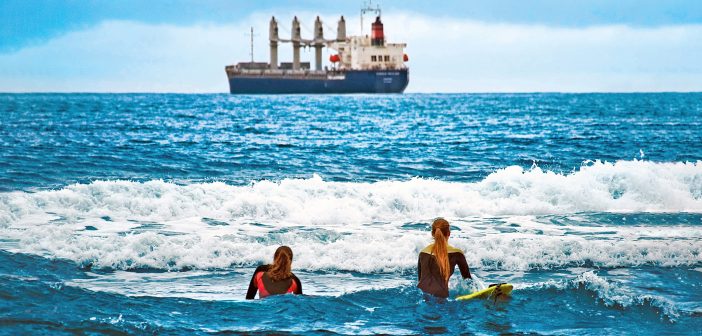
(147, 213)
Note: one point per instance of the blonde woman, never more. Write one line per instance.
(438, 260)
(276, 278)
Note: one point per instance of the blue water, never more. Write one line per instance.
(147, 213)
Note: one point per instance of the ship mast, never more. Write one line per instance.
(252, 56)
(368, 7)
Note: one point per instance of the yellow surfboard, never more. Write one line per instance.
(493, 291)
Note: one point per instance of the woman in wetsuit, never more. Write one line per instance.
(438, 260)
(276, 278)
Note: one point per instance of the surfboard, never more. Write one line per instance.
(493, 291)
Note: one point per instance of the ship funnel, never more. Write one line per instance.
(341, 30)
(318, 44)
(296, 38)
(273, 38)
(377, 37)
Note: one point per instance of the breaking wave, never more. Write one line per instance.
(624, 186)
(369, 227)
(607, 292)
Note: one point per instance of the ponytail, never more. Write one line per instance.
(440, 231)
(282, 264)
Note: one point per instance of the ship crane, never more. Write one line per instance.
(318, 42)
(360, 64)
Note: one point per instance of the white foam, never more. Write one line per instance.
(381, 248)
(359, 226)
(624, 186)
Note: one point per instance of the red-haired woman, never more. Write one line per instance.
(276, 278)
(438, 260)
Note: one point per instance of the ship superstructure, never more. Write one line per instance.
(361, 64)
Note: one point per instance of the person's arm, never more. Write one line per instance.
(463, 266)
(419, 269)
(251, 293)
(298, 290)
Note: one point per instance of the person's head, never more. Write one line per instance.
(440, 230)
(282, 264)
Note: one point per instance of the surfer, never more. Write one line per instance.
(276, 278)
(438, 260)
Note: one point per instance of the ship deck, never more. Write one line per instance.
(232, 71)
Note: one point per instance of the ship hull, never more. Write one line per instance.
(355, 81)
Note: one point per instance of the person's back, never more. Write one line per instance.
(438, 260)
(276, 278)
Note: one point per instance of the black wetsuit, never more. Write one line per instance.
(270, 287)
(430, 279)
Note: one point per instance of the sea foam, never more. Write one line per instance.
(624, 186)
(367, 227)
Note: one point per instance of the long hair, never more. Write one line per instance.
(282, 263)
(440, 232)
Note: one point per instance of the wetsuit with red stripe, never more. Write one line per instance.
(265, 286)
(430, 279)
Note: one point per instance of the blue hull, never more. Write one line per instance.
(371, 81)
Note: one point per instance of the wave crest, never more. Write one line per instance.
(624, 186)
(370, 227)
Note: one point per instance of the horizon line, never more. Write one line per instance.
(346, 94)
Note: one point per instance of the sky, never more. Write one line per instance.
(453, 46)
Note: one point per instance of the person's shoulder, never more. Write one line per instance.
(427, 249)
(449, 248)
(262, 268)
(452, 249)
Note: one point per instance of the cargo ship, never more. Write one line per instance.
(360, 64)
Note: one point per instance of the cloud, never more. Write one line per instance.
(446, 55)
(125, 56)
(477, 56)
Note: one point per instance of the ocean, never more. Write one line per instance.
(147, 213)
